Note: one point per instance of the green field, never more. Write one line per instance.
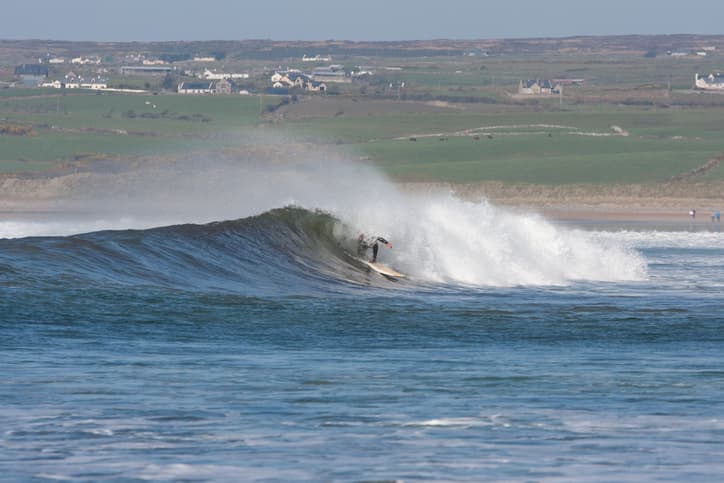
(526, 147)
(121, 124)
(487, 134)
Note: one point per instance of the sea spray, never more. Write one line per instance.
(436, 236)
(441, 238)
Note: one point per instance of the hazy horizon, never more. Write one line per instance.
(374, 20)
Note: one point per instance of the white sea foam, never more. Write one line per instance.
(436, 236)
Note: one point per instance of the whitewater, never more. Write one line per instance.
(440, 237)
(209, 322)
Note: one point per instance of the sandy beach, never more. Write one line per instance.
(669, 202)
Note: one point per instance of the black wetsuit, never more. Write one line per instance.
(363, 246)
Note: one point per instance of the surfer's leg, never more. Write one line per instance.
(375, 247)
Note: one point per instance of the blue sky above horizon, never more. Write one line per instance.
(137, 20)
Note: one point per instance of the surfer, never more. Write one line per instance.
(364, 244)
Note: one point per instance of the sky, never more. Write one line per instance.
(147, 20)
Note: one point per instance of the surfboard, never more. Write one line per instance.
(383, 270)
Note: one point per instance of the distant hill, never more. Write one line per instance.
(17, 51)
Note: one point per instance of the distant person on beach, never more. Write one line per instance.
(692, 213)
(718, 216)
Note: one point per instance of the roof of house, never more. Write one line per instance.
(714, 78)
(196, 86)
(542, 83)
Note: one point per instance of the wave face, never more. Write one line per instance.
(296, 251)
(437, 237)
(285, 250)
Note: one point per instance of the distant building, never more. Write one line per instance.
(291, 78)
(315, 86)
(316, 58)
(332, 73)
(222, 87)
(711, 82)
(32, 75)
(96, 85)
(147, 69)
(196, 88)
(213, 75)
(538, 86)
(295, 79)
(86, 60)
(55, 84)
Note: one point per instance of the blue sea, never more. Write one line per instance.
(258, 349)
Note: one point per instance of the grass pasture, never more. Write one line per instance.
(624, 125)
(556, 147)
(122, 124)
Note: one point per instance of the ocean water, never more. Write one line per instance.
(257, 349)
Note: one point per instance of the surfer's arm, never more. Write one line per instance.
(382, 240)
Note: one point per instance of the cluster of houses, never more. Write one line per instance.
(92, 60)
(317, 80)
(94, 84)
(711, 82)
(293, 78)
(213, 75)
(215, 83)
(702, 52)
(539, 87)
(218, 87)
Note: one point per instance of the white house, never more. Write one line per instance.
(86, 60)
(95, 85)
(294, 78)
(213, 75)
(711, 82)
(196, 88)
(315, 86)
(538, 86)
(316, 58)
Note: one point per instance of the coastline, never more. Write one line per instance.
(654, 203)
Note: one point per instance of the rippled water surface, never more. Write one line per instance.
(259, 350)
